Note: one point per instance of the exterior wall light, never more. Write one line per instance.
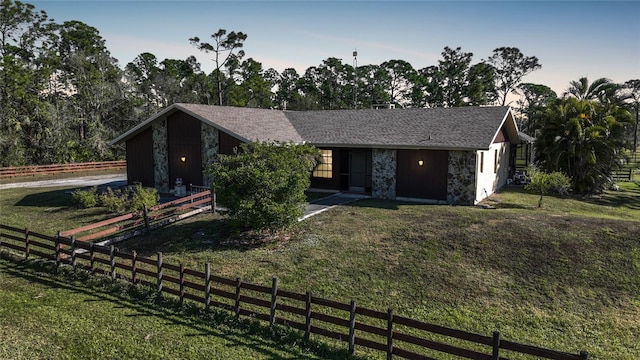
(420, 162)
(183, 158)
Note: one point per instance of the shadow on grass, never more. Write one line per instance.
(628, 196)
(146, 303)
(54, 198)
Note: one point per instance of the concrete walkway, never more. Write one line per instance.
(317, 206)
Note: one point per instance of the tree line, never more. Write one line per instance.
(64, 97)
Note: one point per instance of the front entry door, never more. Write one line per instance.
(360, 170)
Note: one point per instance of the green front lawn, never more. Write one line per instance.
(565, 277)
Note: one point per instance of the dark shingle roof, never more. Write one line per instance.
(246, 123)
(445, 128)
(435, 128)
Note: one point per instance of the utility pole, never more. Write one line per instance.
(355, 79)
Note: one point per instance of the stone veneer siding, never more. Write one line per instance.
(210, 148)
(461, 179)
(383, 175)
(160, 156)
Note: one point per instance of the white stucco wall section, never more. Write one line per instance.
(492, 171)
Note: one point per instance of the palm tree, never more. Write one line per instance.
(602, 90)
(583, 139)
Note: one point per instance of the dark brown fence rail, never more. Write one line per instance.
(136, 223)
(357, 326)
(622, 175)
(7, 172)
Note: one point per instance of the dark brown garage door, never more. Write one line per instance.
(426, 181)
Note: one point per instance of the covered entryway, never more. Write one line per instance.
(422, 174)
(360, 170)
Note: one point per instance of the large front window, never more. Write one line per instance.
(324, 169)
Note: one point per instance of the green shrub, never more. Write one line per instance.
(85, 199)
(114, 201)
(130, 199)
(263, 184)
(544, 183)
(139, 197)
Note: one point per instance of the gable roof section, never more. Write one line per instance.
(463, 128)
(246, 124)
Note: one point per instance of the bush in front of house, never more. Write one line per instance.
(543, 183)
(263, 184)
(130, 199)
(85, 199)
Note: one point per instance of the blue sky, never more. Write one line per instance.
(570, 38)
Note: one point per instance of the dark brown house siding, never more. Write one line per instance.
(140, 159)
(428, 181)
(228, 143)
(183, 141)
(501, 137)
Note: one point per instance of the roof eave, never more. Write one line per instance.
(395, 146)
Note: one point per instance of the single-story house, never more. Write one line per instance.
(443, 155)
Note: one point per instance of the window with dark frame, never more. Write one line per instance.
(325, 168)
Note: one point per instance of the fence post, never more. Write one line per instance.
(584, 355)
(207, 286)
(495, 355)
(389, 334)
(145, 212)
(159, 273)
(181, 283)
(307, 321)
(274, 295)
(26, 243)
(134, 270)
(73, 252)
(112, 261)
(352, 328)
(92, 257)
(237, 306)
(213, 202)
(58, 250)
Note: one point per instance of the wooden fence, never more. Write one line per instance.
(382, 331)
(139, 222)
(7, 172)
(622, 175)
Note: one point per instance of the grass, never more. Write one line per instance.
(72, 316)
(566, 276)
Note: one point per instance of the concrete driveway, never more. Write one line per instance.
(112, 180)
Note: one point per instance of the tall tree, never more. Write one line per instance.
(400, 76)
(143, 72)
(583, 139)
(481, 87)
(602, 90)
(288, 95)
(93, 81)
(510, 67)
(372, 85)
(254, 89)
(226, 48)
(533, 101)
(25, 36)
(633, 101)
